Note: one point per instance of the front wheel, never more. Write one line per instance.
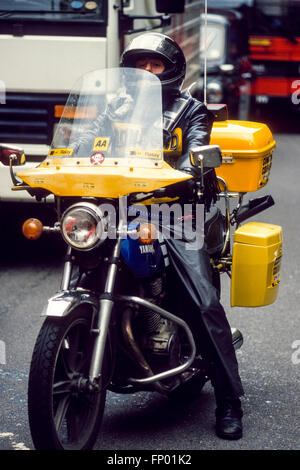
(63, 412)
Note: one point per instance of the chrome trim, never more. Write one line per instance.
(104, 315)
(175, 319)
(67, 272)
(91, 209)
(227, 212)
(227, 159)
(237, 338)
(138, 355)
(62, 303)
(131, 343)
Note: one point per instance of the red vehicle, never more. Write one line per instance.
(274, 39)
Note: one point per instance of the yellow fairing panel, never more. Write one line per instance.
(72, 177)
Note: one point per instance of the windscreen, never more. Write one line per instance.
(112, 116)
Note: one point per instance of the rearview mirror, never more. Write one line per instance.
(12, 155)
(206, 156)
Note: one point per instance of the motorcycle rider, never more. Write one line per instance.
(187, 124)
(190, 122)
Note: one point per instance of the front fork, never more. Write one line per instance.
(105, 309)
(106, 304)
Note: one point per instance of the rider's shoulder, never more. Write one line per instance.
(195, 105)
(186, 94)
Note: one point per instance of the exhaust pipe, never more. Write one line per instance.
(237, 338)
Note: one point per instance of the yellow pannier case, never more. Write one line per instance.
(247, 149)
(256, 261)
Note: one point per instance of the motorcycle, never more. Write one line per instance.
(113, 325)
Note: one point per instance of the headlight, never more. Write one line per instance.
(83, 226)
(214, 92)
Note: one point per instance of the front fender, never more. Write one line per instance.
(64, 302)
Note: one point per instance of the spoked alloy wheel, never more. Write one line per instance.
(64, 413)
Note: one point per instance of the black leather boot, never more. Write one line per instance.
(229, 419)
(228, 412)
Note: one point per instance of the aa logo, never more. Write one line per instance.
(175, 144)
(101, 143)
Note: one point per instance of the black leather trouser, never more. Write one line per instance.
(193, 287)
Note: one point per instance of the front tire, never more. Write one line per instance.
(63, 413)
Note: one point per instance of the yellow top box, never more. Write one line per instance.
(247, 149)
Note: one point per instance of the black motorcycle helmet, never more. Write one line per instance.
(161, 46)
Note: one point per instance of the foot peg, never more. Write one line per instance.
(237, 338)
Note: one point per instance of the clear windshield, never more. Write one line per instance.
(113, 116)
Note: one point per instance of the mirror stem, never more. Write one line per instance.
(200, 160)
(12, 175)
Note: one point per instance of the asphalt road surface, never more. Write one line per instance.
(269, 359)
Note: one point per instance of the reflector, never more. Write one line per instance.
(32, 229)
(73, 112)
(147, 233)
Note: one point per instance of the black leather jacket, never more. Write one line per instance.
(192, 129)
(195, 124)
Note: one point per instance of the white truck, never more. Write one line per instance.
(45, 45)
